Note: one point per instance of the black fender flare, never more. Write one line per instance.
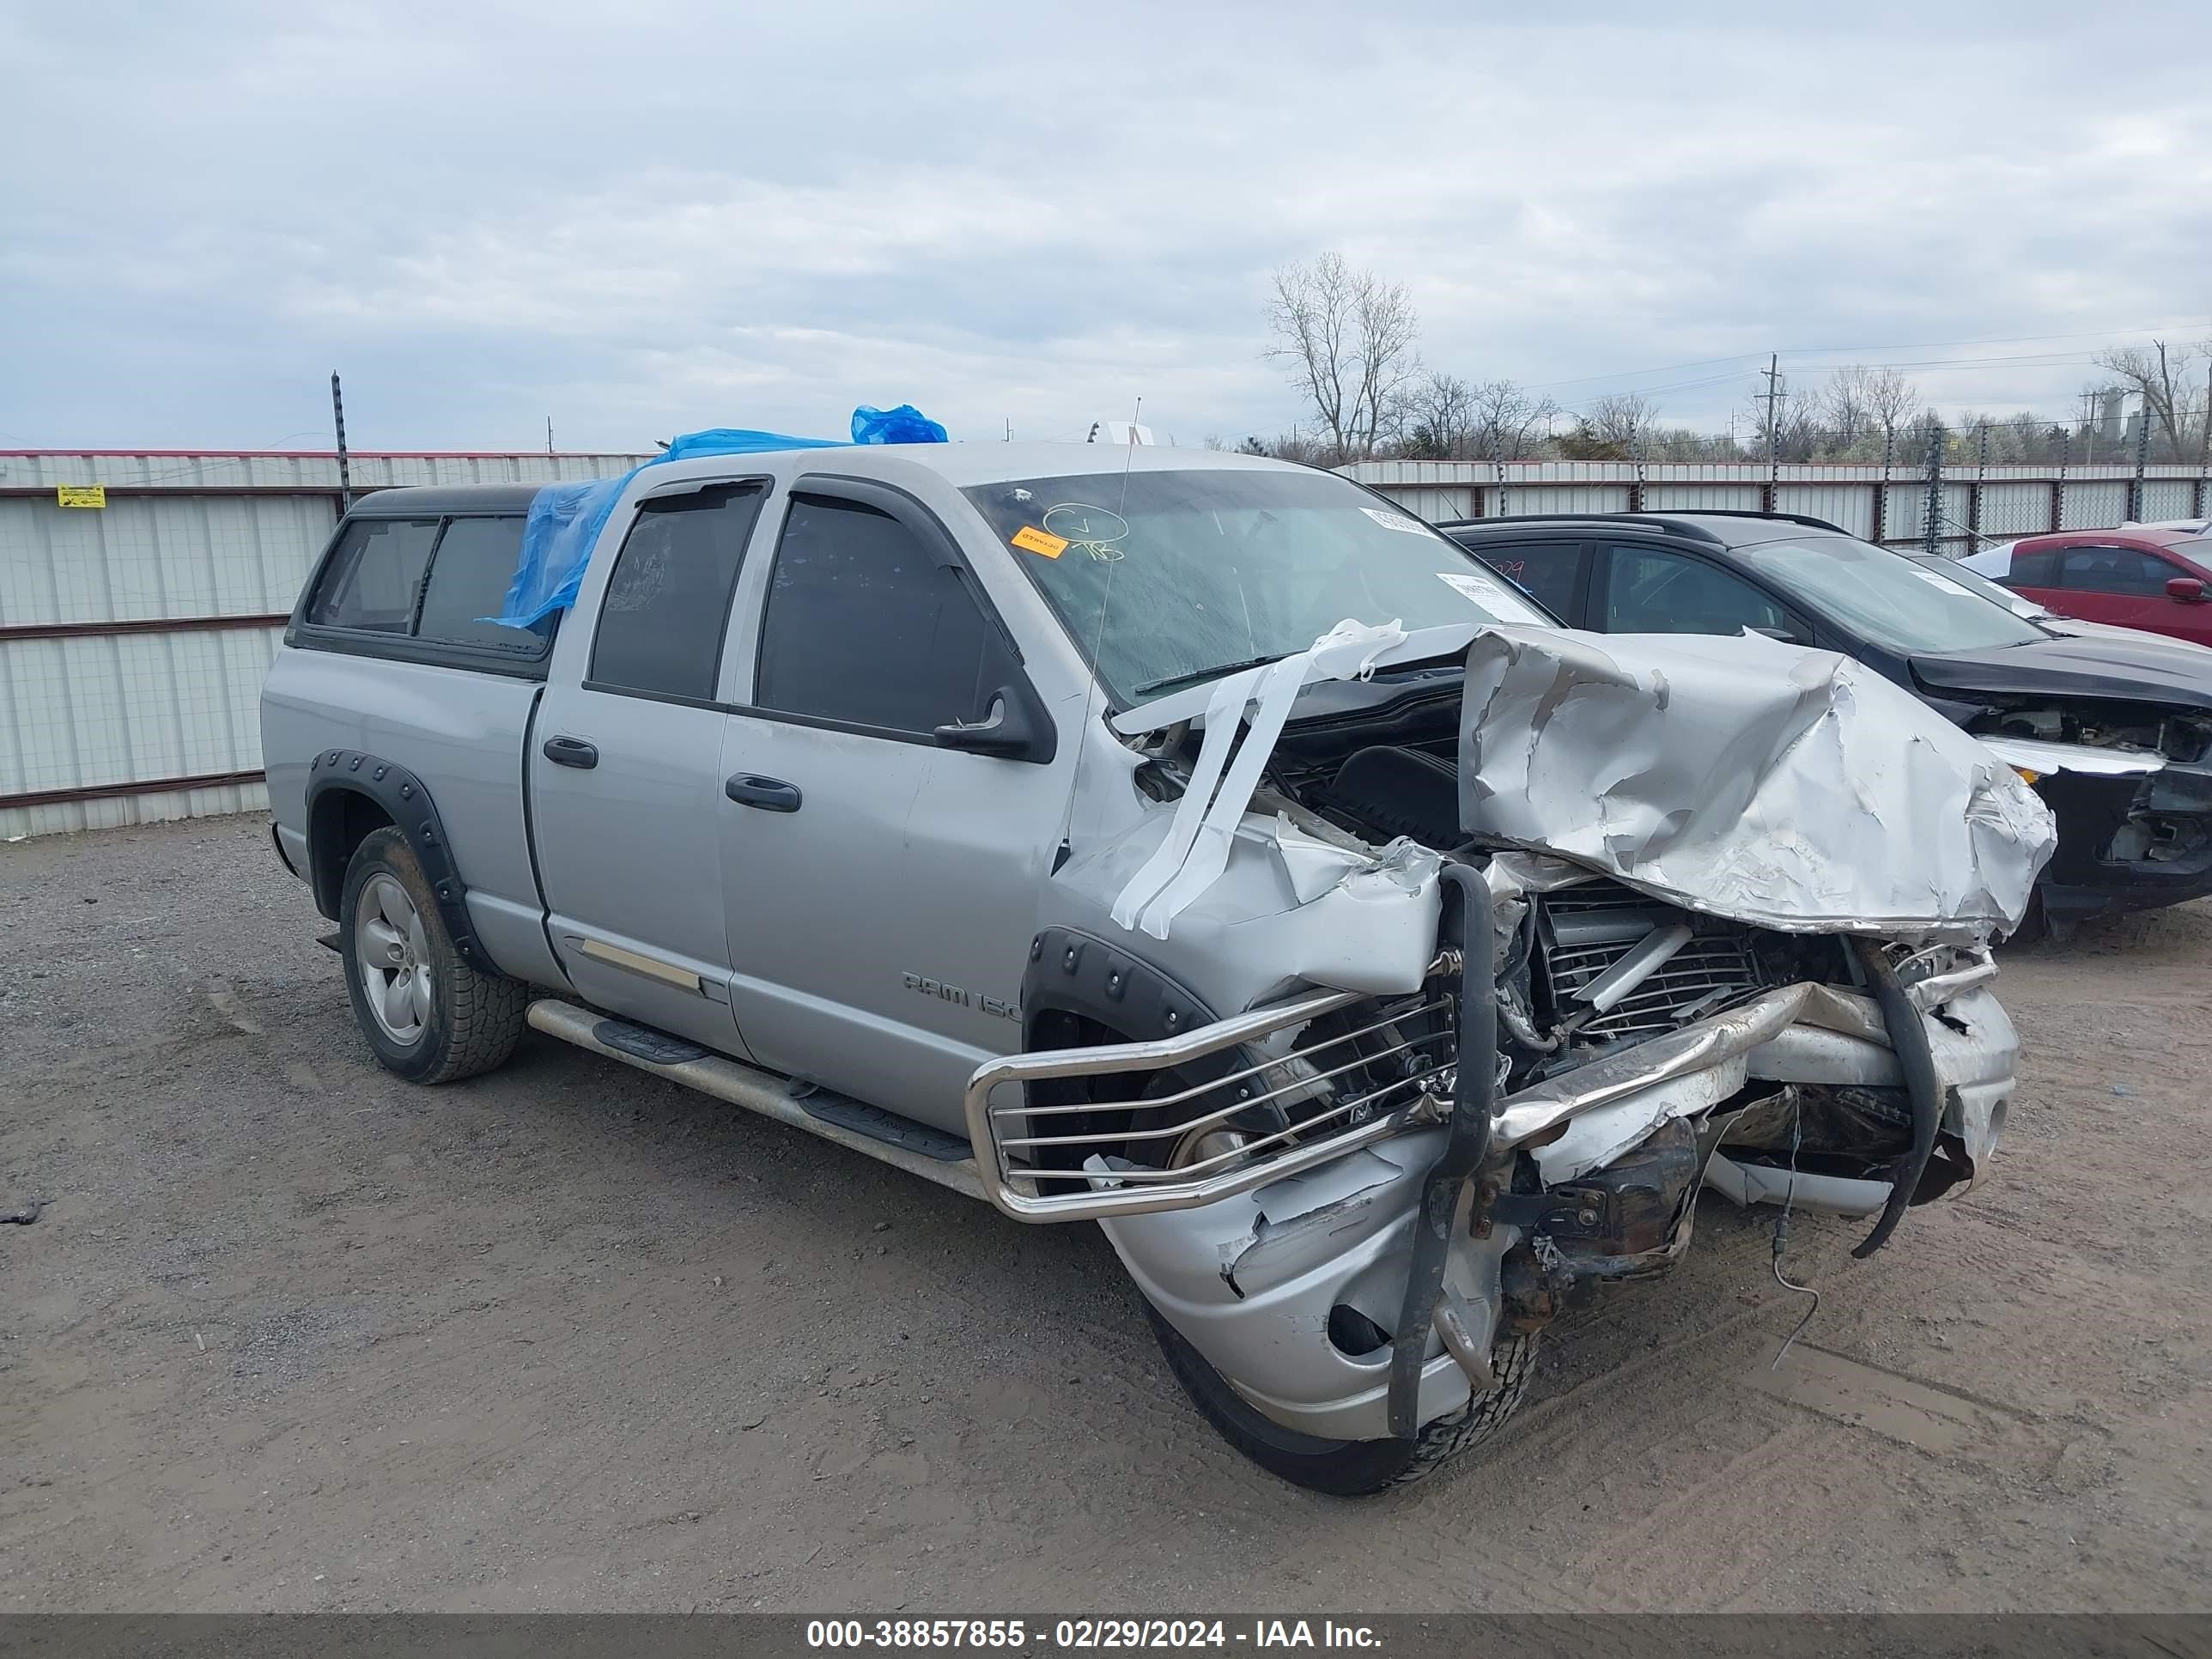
(1077, 973)
(1073, 973)
(406, 801)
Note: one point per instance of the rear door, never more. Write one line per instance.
(625, 766)
(881, 890)
(1553, 573)
(2034, 575)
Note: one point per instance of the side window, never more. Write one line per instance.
(667, 602)
(470, 574)
(371, 580)
(2037, 569)
(1550, 573)
(2125, 570)
(863, 626)
(1649, 591)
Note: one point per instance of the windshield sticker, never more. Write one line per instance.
(1481, 589)
(1092, 529)
(1396, 521)
(1043, 542)
(1936, 579)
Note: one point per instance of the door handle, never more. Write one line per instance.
(572, 751)
(771, 794)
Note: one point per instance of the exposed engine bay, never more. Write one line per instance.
(1589, 967)
(2175, 735)
(1494, 951)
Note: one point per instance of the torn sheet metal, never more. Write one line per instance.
(1770, 783)
(2049, 759)
(1196, 848)
(1289, 906)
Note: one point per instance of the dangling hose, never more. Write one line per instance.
(1465, 1147)
(1916, 1060)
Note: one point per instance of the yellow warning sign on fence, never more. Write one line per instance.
(81, 494)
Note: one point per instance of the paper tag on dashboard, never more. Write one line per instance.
(1390, 520)
(1480, 589)
(1043, 542)
(1936, 579)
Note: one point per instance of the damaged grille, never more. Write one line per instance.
(1595, 926)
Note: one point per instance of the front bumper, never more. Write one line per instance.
(1250, 1262)
(2128, 841)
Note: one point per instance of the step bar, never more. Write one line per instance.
(748, 1086)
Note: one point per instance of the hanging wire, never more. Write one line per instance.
(1781, 1237)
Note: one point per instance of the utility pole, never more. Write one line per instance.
(1773, 372)
(549, 435)
(345, 472)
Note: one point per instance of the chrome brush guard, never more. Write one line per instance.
(1017, 1146)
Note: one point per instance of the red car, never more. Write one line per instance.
(2138, 576)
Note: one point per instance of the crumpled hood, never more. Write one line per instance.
(1770, 783)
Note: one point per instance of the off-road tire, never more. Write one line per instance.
(475, 1017)
(1346, 1468)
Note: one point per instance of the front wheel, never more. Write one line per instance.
(1346, 1468)
(429, 1015)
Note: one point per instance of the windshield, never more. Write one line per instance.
(1974, 582)
(1204, 571)
(1887, 597)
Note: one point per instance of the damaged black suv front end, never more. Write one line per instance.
(2116, 739)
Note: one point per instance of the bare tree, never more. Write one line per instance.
(1348, 340)
(2162, 376)
(1859, 402)
(1611, 428)
(1439, 414)
(1506, 418)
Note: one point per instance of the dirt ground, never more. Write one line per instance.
(290, 1334)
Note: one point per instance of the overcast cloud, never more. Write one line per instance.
(688, 214)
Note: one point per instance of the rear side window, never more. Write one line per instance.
(2125, 570)
(371, 580)
(469, 578)
(865, 628)
(668, 600)
(2038, 569)
(1548, 571)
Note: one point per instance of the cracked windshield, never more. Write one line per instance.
(1197, 573)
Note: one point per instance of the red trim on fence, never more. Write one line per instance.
(116, 791)
(332, 455)
(82, 630)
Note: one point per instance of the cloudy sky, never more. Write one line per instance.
(678, 214)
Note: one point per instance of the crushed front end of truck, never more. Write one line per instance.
(1443, 1005)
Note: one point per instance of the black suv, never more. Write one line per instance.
(2115, 735)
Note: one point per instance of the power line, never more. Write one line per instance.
(1906, 345)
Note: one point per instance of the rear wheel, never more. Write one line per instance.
(430, 1015)
(1346, 1468)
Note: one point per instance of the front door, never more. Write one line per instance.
(881, 890)
(2126, 586)
(625, 771)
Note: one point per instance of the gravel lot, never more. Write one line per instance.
(292, 1335)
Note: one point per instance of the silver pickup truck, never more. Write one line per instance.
(1188, 843)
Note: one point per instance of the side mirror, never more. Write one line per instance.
(1787, 636)
(1012, 730)
(2187, 589)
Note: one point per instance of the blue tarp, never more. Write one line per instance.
(565, 519)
